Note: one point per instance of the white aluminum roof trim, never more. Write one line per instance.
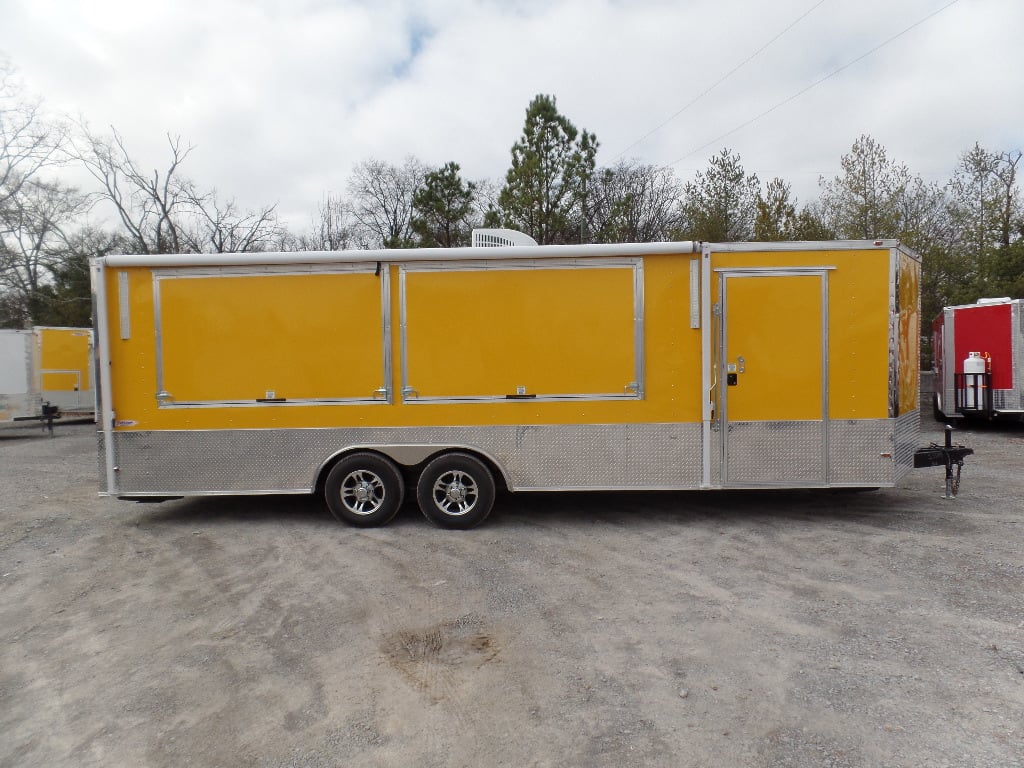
(395, 255)
(979, 303)
(398, 255)
(806, 245)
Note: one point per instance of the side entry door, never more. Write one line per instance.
(772, 377)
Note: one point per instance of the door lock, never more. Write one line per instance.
(732, 371)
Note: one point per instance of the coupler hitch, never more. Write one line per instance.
(947, 456)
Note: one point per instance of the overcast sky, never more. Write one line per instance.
(282, 97)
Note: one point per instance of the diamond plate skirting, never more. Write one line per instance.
(861, 452)
(775, 453)
(537, 457)
(592, 456)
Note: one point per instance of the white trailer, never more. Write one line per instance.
(19, 398)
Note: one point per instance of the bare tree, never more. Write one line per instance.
(220, 227)
(164, 211)
(633, 202)
(29, 142)
(35, 240)
(151, 206)
(34, 213)
(382, 201)
(332, 226)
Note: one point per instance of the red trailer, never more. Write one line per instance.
(979, 361)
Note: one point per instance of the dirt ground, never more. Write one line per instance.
(793, 629)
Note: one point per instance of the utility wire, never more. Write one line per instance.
(720, 80)
(815, 84)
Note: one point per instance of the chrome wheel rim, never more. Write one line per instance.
(362, 492)
(455, 493)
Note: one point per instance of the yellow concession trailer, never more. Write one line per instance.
(45, 373)
(459, 372)
(65, 368)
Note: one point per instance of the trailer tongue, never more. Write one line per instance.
(948, 456)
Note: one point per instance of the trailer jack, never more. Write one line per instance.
(947, 456)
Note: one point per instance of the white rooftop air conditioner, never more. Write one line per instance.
(491, 238)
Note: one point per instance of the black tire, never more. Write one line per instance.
(456, 490)
(364, 489)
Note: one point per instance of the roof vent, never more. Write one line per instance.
(493, 238)
(1001, 300)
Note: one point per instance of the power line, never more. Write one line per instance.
(816, 83)
(718, 82)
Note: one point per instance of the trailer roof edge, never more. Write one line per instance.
(400, 255)
(483, 253)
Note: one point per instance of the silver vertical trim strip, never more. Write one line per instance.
(638, 328)
(385, 311)
(707, 405)
(158, 339)
(695, 293)
(949, 353)
(124, 305)
(403, 334)
(894, 334)
(723, 392)
(824, 373)
(105, 415)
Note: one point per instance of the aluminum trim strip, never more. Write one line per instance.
(772, 271)
(158, 351)
(267, 270)
(531, 399)
(707, 387)
(164, 399)
(894, 334)
(409, 394)
(813, 245)
(825, 444)
(512, 264)
(403, 324)
(488, 253)
(101, 350)
(384, 272)
(638, 329)
(124, 306)
(169, 405)
(695, 293)
(727, 273)
(406, 256)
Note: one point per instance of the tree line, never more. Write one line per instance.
(969, 230)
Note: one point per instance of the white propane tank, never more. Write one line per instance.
(973, 384)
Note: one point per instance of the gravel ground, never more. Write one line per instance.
(793, 629)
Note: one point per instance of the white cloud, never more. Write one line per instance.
(282, 98)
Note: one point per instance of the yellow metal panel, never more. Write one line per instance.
(551, 331)
(908, 365)
(60, 381)
(858, 348)
(775, 325)
(284, 336)
(64, 351)
(672, 365)
(859, 338)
